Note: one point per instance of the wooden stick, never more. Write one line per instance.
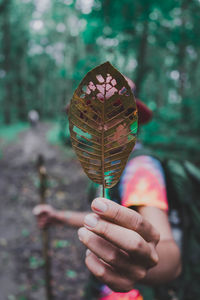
(45, 234)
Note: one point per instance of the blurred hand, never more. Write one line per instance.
(121, 243)
(46, 215)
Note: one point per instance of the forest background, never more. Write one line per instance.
(46, 47)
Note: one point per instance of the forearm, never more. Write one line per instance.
(70, 218)
(169, 265)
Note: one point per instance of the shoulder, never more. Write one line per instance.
(143, 183)
(144, 163)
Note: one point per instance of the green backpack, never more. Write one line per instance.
(183, 190)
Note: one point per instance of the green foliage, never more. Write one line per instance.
(61, 244)
(25, 232)
(46, 49)
(11, 297)
(53, 135)
(10, 132)
(35, 262)
(71, 274)
(59, 133)
(22, 298)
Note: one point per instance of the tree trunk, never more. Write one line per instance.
(3, 6)
(141, 59)
(182, 62)
(21, 100)
(7, 64)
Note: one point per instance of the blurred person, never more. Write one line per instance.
(33, 118)
(125, 246)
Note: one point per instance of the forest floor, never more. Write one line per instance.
(22, 274)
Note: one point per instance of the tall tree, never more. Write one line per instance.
(7, 64)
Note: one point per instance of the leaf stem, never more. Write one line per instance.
(103, 191)
(102, 145)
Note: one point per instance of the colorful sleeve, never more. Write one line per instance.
(143, 183)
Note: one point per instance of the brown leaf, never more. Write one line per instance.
(103, 124)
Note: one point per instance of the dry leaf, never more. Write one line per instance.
(103, 124)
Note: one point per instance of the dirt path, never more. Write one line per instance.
(21, 274)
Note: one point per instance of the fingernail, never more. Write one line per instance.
(87, 252)
(155, 257)
(91, 220)
(99, 205)
(82, 233)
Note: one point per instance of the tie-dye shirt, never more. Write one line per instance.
(143, 183)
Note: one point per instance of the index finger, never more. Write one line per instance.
(40, 208)
(125, 217)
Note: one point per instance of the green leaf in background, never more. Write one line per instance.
(61, 244)
(35, 262)
(71, 274)
(11, 297)
(22, 298)
(25, 232)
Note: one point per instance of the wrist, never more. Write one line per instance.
(56, 216)
(62, 216)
